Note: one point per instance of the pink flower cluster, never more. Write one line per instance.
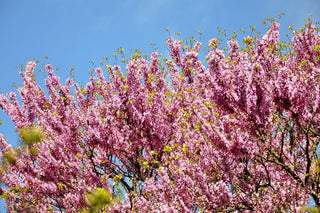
(236, 133)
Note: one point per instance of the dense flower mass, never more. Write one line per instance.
(238, 132)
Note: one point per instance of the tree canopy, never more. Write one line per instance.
(233, 132)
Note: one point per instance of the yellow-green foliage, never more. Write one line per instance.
(98, 199)
(31, 135)
(311, 209)
(10, 156)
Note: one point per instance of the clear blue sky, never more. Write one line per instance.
(72, 32)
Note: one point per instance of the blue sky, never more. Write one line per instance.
(72, 32)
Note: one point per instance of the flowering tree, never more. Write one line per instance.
(237, 133)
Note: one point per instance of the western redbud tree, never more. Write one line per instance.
(238, 132)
